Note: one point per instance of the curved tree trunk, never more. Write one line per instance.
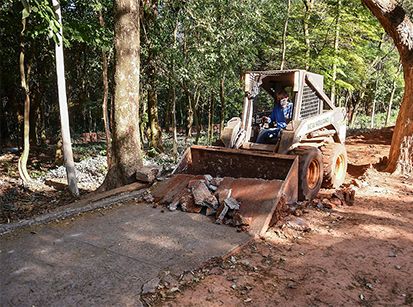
(397, 24)
(126, 145)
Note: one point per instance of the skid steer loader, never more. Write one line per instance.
(308, 154)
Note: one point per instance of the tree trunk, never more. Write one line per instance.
(306, 22)
(284, 37)
(397, 24)
(197, 120)
(393, 91)
(24, 80)
(190, 117)
(125, 136)
(155, 130)
(173, 122)
(222, 100)
(336, 45)
(373, 107)
(64, 115)
(105, 98)
(211, 119)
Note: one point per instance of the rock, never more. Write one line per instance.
(357, 182)
(150, 286)
(188, 203)
(194, 182)
(147, 174)
(223, 194)
(240, 220)
(297, 223)
(148, 197)
(202, 195)
(212, 187)
(173, 206)
(326, 203)
(232, 203)
(210, 211)
(336, 201)
(222, 211)
(216, 181)
(346, 195)
(208, 178)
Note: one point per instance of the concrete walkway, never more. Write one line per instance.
(105, 258)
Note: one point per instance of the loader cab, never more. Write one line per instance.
(264, 101)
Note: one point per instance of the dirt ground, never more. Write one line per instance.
(347, 255)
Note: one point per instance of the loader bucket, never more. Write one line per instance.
(262, 182)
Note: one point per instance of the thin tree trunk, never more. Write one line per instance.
(64, 116)
(336, 45)
(155, 129)
(306, 22)
(284, 37)
(125, 135)
(393, 91)
(197, 120)
(24, 79)
(373, 107)
(211, 119)
(105, 98)
(222, 100)
(190, 117)
(173, 118)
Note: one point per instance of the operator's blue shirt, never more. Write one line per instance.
(280, 115)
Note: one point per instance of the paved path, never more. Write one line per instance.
(105, 259)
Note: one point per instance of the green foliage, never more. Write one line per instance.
(191, 46)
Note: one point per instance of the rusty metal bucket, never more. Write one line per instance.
(262, 182)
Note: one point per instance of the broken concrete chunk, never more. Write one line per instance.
(212, 187)
(210, 211)
(194, 182)
(202, 195)
(232, 203)
(223, 195)
(216, 181)
(222, 211)
(147, 174)
(173, 206)
(240, 220)
(148, 197)
(188, 204)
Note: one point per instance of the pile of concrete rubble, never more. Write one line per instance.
(203, 196)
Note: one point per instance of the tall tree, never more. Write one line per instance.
(396, 22)
(24, 80)
(64, 114)
(126, 145)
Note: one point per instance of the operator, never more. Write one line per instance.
(281, 113)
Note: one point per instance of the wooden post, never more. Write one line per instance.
(64, 114)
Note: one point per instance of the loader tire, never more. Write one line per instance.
(310, 172)
(335, 165)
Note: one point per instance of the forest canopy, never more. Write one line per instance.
(193, 52)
